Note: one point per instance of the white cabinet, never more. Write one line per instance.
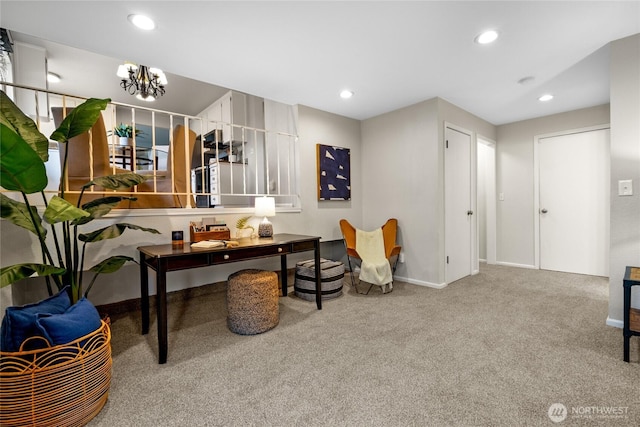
(30, 69)
(230, 108)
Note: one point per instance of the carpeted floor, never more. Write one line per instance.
(495, 349)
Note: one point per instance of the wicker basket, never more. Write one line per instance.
(65, 385)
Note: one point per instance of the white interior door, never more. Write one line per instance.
(458, 207)
(574, 202)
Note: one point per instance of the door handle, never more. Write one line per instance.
(544, 211)
(469, 212)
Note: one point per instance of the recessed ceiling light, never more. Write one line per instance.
(546, 97)
(487, 37)
(142, 22)
(346, 94)
(53, 77)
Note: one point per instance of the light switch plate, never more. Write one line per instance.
(625, 187)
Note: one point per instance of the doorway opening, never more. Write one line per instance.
(486, 204)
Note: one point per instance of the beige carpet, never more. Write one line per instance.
(495, 349)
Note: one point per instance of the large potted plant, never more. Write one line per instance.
(75, 359)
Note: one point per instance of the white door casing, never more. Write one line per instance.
(573, 202)
(459, 218)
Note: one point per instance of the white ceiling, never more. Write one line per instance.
(391, 54)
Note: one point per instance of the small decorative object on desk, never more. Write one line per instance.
(177, 239)
(243, 224)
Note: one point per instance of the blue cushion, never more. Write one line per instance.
(19, 323)
(79, 320)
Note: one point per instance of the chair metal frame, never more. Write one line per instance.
(389, 232)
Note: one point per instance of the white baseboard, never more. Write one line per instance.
(513, 264)
(421, 282)
(615, 322)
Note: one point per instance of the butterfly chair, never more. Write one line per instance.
(391, 250)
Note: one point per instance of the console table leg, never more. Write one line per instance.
(316, 253)
(144, 294)
(626, 330)
(161, 309)
(283, 274)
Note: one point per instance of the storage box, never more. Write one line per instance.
(634, 319)
(331, 275)
(216, 233)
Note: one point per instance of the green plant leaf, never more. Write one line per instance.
(21, 169)
(100, 207)
(18, 214)
(111, 264)
(112, 231)
(59, 210)
(121, 181)
(13, 273)
(25, 127)
(242, 222)
(80, 119)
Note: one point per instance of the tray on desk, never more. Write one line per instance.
(220, 234)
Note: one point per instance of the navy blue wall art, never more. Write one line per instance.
(334, 173)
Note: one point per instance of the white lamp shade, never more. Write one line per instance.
(265, 206)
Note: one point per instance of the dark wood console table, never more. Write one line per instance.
(165, 258)
(631, 326)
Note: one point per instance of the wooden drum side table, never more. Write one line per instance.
(631, 315)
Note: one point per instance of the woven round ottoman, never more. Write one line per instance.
(252, 301)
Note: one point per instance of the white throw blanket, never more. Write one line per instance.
(375, 267)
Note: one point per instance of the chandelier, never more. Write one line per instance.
(144, 82)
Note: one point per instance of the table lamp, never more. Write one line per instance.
(265, 207)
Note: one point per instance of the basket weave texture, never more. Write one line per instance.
(252, 301)
(64, 385)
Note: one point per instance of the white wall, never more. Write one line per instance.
(515, 174)
(625, 164)
(401, 179)
(321, 218)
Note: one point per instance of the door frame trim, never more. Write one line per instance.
(536, 180)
